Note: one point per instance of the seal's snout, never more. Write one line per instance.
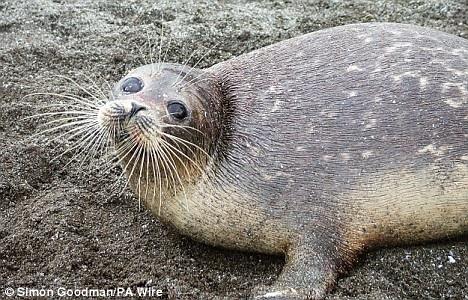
(124, 119)
(119, 111)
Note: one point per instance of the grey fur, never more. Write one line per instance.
(330, 143)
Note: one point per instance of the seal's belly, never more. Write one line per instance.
(409, 205)
(226, 218)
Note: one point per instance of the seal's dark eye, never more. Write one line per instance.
(132, 85)
(177, 110)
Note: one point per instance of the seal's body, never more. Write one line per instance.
(316, 147)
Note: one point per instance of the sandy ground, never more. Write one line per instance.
(70, 227)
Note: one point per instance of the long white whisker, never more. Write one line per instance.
(80, 87)
(161, 36)
(196, 64)
(78, 130)
(86, 121)
(173, 137)
(155, 164)
(89, 134)
(70, 112)
(75, 98)
(174, 168)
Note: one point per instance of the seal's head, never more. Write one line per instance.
(165, 116)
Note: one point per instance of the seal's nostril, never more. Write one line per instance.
(135, 109)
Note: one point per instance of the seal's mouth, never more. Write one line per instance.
(128, 121)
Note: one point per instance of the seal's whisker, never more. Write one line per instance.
(157, 152)
(104, 142)
(86, 139)
(147, 169)
(94, 147)
(124, 145)
(196, 64)
(167, 49)
(167, 169)
(203, 174)
(151, 46)
(184, 155)
(103, 148)
(135, 163)
(76, 125)
(109, 86)
(127, 148)
(195, 81)
(142, 55)
(110, 138)
(167, 173)
(95, 87)
(76, 98)
(80, 87)
(180, 143)
(78, 146)
(173, 137)
(85, 100)
(64, 122)
(157, 177)
(81, 122)
(78, 130)
(183, 127)
(134, 156)
(139, 183)
(77, 106)
(156, 158)
(143, 157)
(170, 148)
(135, 149)
(66, 119)
(122, 149)
(174, 168)
(91, 102)
(87, 149)
(183, 66)
(71, 112)
(188, 174)
(143, 161)
(162, 125)
(77, 112)
(147, 45)
(161, 36)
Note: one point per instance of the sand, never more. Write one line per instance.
(74, 227)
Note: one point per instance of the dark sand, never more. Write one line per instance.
(68, 227)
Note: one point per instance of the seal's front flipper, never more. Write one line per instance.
(309, 273)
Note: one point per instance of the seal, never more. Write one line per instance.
(318, 147)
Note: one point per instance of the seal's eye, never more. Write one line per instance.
(132, 85)
(177, 110)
